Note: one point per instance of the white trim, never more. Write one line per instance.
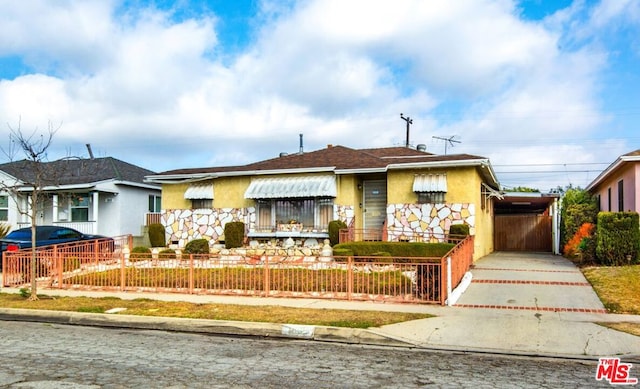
(615, 165)
(190, 177)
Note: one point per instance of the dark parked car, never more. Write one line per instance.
(45, 235)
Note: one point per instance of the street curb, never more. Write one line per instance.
(204, 326)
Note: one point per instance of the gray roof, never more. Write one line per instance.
(76, 171)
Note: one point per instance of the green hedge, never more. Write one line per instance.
(156, 235)
(139, 253)
(197, 246)
(233, 235)
(618, 238)
(459, 229)
(403, 250)
(334, 231)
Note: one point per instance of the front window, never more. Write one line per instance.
(155, 203)
(201, 203)
(431, 197)
(80, 208)
(4, 208)
(311, 213)
(265, 220)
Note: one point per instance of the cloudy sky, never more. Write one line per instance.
(548, 90)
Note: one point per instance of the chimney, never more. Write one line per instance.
(301, 145)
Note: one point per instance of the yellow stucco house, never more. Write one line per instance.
(403, 192)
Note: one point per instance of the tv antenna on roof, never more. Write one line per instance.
(447, 141)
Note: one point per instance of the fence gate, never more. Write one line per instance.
(522, 233)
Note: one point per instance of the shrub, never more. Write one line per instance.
(139, 253)
(578, 207)
(458, 231)
(394, 249)
(167, 254)
(618, 238)
(342, 252)
(197, 246)
(233, 235)
(581, 246)
(334, 231)
(157, 235)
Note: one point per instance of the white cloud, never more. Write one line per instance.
(154, 91)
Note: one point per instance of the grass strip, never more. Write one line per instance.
(268, 314)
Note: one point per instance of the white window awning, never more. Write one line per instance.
(430, 183)
(199, 191)
(283, 187)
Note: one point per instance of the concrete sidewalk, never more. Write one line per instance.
(523, 304)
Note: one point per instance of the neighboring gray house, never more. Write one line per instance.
(98, 196)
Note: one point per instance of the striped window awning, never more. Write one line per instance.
(430, 183)
(285, 187)
(199, 191)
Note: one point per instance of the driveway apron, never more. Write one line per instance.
(529, 281)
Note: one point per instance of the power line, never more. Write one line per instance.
(554, 164)
(548, 171)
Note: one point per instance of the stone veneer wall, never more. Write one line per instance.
(184, 225)
(346, 213)
(405, 221)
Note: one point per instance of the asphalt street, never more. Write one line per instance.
(41, 355)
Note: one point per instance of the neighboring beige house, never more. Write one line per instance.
(394, 193)
(617, 188)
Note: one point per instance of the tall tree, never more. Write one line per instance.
(35, 179)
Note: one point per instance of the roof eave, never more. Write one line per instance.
(606, 172)
(185, 178)
(482, 163)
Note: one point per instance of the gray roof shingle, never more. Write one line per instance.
(76, 171)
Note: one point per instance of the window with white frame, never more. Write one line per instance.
(155, 203)
(80, 207)
(4, 208)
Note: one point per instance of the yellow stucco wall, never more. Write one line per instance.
(349, 195)
(463, 186)
(229, 192)
(173, 196)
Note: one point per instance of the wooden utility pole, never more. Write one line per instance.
(409, 122)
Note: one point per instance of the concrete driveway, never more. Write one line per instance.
(524, 303)
(529, 281)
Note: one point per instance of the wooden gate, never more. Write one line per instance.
(522, 233)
